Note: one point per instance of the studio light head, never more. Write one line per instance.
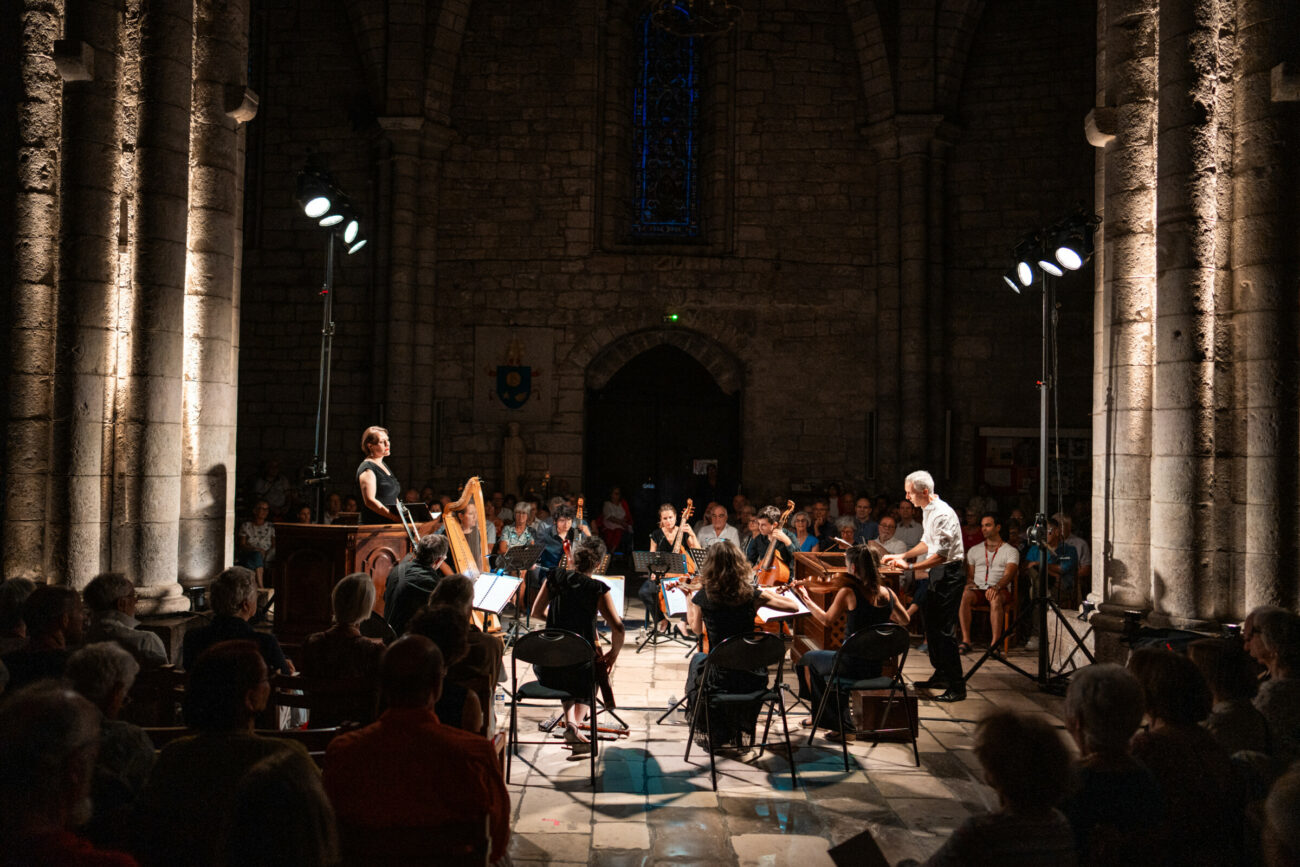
(322, 201)
(1073, 241)
(1026, 257)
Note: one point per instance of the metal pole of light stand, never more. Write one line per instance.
(1044, 386)
(320, 463)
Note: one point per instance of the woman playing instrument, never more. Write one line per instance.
(725, 607)
(803, 539)
(768, 519)
(570, 599)
(863, 601)
(380, 489)
(664, 538)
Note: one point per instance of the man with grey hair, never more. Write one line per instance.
(103, 673)
(412, 580)
(111, 599)
(234, 602)
(49, 737)
(941, 552)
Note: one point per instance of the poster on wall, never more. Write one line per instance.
(514, 373)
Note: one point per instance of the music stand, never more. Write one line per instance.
(520, 559)
(658, 564)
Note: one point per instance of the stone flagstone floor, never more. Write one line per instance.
(652, 807)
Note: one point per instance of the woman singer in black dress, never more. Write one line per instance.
(864, 601)
(725, 607)
(570, 599)
(379, 487)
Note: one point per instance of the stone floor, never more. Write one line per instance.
(652, 807)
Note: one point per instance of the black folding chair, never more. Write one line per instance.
(550, 648)
(749, 654)
(873, 644)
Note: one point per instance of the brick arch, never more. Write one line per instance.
(601, 355)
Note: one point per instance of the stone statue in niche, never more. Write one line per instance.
(513, 457)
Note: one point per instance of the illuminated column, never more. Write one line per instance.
(89, 58)
(221, 103)
(1183, 535)
(150, 434)
(1264, 299)
(1123, 125)
(30, 401)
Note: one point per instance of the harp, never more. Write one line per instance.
(467, 551)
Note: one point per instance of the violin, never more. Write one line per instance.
(770, 569)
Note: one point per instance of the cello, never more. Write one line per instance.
(770, 570)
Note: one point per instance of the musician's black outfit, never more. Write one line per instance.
(574, 601)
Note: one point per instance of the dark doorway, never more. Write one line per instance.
(661, 412)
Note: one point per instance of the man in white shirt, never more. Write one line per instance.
(940, 550)
(888, 540)
(717, 529)
(908, 529)
(990, 572)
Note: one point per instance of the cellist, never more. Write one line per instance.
(768, 531)
(664, 538)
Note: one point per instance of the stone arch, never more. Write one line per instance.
(601, 354)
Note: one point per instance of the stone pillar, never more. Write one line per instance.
(887, 325)
(89, 204)
(1264, 297)
(1124, 126)
(30, 401)
(1183, 537)
(915, 137)
(150, 433)
(220, 102)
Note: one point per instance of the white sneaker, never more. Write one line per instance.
(1032, 643)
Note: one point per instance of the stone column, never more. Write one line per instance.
(1264, 285)
(1124, 126)
(151, 430)
(89, 58)
(887, 326)
(30, 401)
(220, 103)
(1183, 537)
(915, 137)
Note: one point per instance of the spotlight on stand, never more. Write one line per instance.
(1010, 279)
(1026, 256)
(1073, 242)
(315, 194)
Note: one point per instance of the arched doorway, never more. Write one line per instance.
(657, 415)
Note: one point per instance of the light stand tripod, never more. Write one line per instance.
(319, 463)
(1041, 601)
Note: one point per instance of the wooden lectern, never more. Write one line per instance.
(311, 558)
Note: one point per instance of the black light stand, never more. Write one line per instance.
(319, 462)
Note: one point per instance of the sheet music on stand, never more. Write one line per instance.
(617, 591)
(768, 614)
(697, 556)
(520, 557)
(493, 591)
(659, 563)
(675, 600)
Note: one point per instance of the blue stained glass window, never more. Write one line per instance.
(665, 118)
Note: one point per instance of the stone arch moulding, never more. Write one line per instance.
(602, 354)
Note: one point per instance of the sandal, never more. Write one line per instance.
(963, 648)
(806, 723)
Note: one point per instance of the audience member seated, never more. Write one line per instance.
(182, 811)
(887, 539)
(56, 623)
(49, 737)
(1281, 842)
(111, 599)
(844, 529)
(408, 770)
(1235, 723)
(13, 631)
(1273, 617)
(412, 580)
(481, 668)
(342, 652)
(234, 602)
(333, 507)
(1277, 645)
(909, 529)
(1202, 790)
(255, 544)
(991, 568)
(1116, 800)
(448, 629)
(1027, 763)
(281, 818)
(103, 673)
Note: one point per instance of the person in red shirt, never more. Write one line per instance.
(408, 770)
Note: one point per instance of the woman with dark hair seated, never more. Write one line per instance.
(570, 599)
(480, 669)
(179, 814)
(724, 608)
(447, 627)
(1203, 793)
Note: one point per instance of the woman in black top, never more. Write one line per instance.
(570, 600)
(379, 487)
(723, 608)
(863, 601)
(663, 538)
